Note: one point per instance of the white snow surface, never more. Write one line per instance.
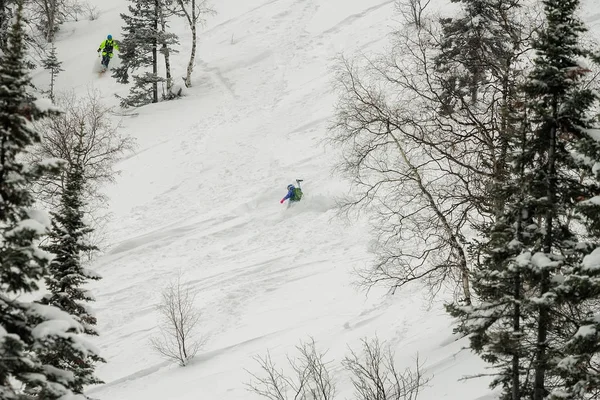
(200, 195)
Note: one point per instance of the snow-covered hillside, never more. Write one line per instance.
(200, 195)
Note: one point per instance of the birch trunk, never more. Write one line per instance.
(192, 21)
(190, 67)
(193, 11)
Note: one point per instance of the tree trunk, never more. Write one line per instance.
(190, 67)
(52, 75)
(540, 355)
(516, 383)
(167, 55)
(50, 9)
(464, 270)
(192, 21)
(517, 292)
(544, 316)
(154, 53)
(500, 158)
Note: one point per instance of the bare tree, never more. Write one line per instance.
(88, 121)
(49, 14)
(424, 139)
(418, 231)
(375, 376)
(91, 11)
(179, 340)
(48, 10)
(311, 378)
(195, 12)
(412, 11)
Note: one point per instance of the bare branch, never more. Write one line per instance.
(311, 377)
(425, 152)
(88, 122)
(375, 376)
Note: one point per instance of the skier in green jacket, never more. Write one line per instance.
(107, 46)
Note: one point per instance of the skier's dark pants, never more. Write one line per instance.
(105, 60)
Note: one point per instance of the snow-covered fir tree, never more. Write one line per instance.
(478, 46)
(478, 69)
(5, 17)
(68, 241)
(539, 283)
(26, 326)
(53, 65)
(144, 36)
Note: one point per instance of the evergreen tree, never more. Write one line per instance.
(67, 275)
(479, 69)
(143, 35)
(540, 280)
(25, 326)
(53, 65)
(5, 17)
(561, 106)
(498, 324)
(478, 46)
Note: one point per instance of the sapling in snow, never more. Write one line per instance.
(179, 339)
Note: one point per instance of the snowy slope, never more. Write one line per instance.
(200, 195)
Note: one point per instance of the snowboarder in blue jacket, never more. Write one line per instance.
(294, 194)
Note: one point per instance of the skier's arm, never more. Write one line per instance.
(116, 45)
(101, 45)
(287, 196)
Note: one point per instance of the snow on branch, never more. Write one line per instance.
(591, 262)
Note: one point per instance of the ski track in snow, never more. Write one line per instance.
(199, 195)
(352, 18)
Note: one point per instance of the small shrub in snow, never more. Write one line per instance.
(310, 377)
(91, 11)
(179, 339)
(373, 375)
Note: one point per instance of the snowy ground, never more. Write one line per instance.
(200, 195)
